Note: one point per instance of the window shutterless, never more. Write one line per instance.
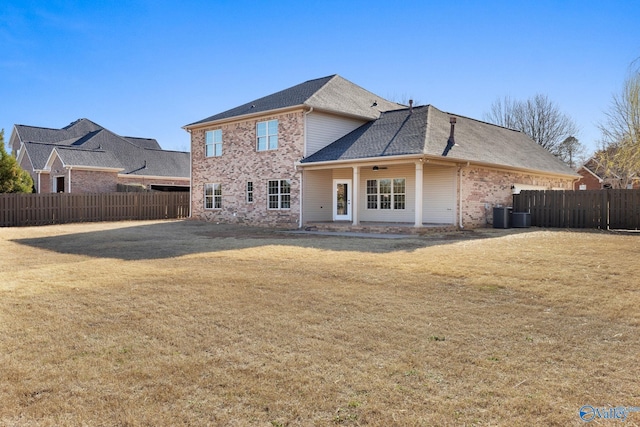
(267, 135)
(213, 196)
(213, 143)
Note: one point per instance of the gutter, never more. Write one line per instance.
(295, 167)
(372, 161)
(241, 118)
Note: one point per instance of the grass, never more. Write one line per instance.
(187, 323)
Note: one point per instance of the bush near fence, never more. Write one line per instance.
(603, 209)
(59, 208)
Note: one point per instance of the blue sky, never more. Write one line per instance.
(147, 68)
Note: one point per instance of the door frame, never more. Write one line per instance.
(349, 215)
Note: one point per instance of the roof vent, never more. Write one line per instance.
(410, 106)
(451, 142)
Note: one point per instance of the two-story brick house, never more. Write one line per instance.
(328, 150)
(244, 159)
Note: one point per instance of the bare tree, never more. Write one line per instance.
(619, 155)
(571, 152)
(539, 118)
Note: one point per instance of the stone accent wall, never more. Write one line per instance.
(484, 188)
(93, 181)
(241, 163)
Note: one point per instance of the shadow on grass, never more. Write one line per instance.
(177, 238)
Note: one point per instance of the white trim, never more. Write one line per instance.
(410, 158)
(349, 215)
(600, 180)
(355, 195)
(242, 118)
(175, 178)
(418, 200)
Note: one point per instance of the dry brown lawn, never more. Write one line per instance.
(194, 324)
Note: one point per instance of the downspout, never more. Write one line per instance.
(304, 154)
(190, 173)
(574, 182)
(69, 179)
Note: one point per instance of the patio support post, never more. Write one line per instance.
(354, 197)
(418, 195)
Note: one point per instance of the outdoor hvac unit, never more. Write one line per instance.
(501, 217)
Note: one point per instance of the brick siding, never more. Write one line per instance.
(484, 188)
(587, 179)
(241, 163)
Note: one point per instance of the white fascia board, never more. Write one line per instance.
(600, 180)
(23, 152)
(174, 178)
(51, 159)
(242, 118)
(94, 169)
(380, 161)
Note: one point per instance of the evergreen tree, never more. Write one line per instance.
(13, 179)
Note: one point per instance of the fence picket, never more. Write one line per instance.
(604, 209)
(58, 208)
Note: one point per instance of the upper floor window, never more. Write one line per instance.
(267, 133)
(213, 143)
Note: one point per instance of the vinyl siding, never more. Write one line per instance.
(439, 195)
(322, 129)
(317, 192)
(408, 172)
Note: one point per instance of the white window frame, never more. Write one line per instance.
(213, 196)
(249, 189)
(391, 200)
(213, 143)
(267, 135)
(279, 195)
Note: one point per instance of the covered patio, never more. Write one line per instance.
(395, 194)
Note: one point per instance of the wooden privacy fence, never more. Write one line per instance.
(604, 209)
(59, 208)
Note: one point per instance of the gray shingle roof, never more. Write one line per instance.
(331, 93)
(426, 131)
(69, 133)
(38, 153)
(84, 143)
(87, 158)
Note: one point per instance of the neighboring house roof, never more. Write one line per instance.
(588, 170)
(425, 131)
(332, 93)
(84, 143)
(92, 159)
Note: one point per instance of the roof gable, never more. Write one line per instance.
(331, 93)
(90, 159)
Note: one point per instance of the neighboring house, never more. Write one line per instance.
(593, 178)
(328, 150)
(84, 157)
